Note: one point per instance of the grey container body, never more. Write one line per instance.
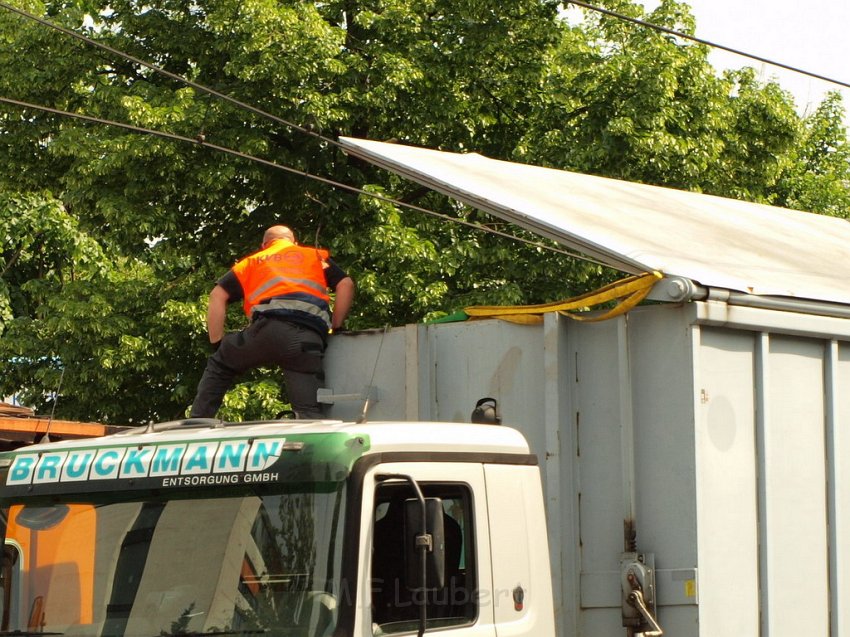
(718, 433)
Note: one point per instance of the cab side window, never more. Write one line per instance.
(395, 608)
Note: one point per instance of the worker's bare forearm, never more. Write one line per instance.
(216, 312)
(343, 302)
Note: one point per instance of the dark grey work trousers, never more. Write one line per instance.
(268, 341)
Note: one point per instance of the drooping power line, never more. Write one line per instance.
(307, 131)
(295, 171)
(257, 111)
(223, 96)
(714, 45)
(169, 74)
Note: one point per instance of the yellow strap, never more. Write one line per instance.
(631, 291)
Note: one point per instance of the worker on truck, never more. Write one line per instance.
(284, 292)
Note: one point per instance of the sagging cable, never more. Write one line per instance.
(301, 173)
(169, 74)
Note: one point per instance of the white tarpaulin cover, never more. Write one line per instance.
(713, 241)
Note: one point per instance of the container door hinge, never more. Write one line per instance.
(637, 572)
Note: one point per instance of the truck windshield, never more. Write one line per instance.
(240, 561)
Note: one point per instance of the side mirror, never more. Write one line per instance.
(433, 543)
(42, 518)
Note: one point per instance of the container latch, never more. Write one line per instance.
(637, 572)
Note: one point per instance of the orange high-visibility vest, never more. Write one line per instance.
(285, 276)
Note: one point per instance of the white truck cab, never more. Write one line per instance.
(282, 528)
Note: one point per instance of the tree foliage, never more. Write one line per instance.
(112, 239)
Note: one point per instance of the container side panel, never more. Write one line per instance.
(678, 621)
(795, 489)
(597, 413)
(562, 471)
(600, 622)
(633, 403)
(349, 367)
(661, 347)
(727, 496)
(841, 493)
(662, 377)
(495, 359)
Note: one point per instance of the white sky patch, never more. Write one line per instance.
(810, 36)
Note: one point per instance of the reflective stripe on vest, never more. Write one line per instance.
(259, 294)
(282, 269)
(295, 305)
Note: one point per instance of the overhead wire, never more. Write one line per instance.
(169, 74)
(295, 171)
(715, 45)
(257, 111)
(253, 109)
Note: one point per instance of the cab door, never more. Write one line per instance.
(463, 607)
(523, 606)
